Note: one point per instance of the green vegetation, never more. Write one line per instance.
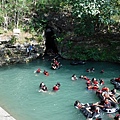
(70, 19)
(13, 40)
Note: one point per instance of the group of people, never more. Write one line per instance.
(93, 69)
(90, 69)
(92, 84)
(55, 64)
(106, 93)
(108, 101)
(116, 82)
(43, 87)
(44, 72)
(91, 110)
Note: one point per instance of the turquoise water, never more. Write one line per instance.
(19, 87)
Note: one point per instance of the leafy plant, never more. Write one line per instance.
(13, 39)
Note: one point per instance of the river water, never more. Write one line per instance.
(19, 87)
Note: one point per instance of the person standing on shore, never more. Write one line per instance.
(28, 51)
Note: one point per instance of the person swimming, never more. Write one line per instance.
(38, 70)
(56, 87)
(43, 87)
(46, 73)
(74, 77)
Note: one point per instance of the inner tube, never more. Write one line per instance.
(114, 108)
(77, 62)
(112, 81)
(84, 110)
(118, 99)
(117, 86)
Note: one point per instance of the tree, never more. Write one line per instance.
(91, 14)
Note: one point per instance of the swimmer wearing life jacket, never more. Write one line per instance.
(98, 92)
(53, 66)
(95, 82)
(56, 87)
(41, 85)
(105, 89)
(117, 79)
(92, 69)
(95, 87)
(89, 87)
(89, 82)
(38, 70)
(89, 110)
(46, 73)
(56, 63)
(74, 77)
(44, 88)
(101, 82)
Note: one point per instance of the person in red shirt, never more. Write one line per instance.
(38, 70)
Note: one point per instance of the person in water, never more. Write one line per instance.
(46, 73)
(107, 104)
(38, 70)
(56, 63)
(101, 82)
(44, 88)
(56, 87)
(54, 66)
(41, 85)
(104, 104)
(108, 95)
(74, 77)
(102, 71)
(92, 69)
(91, 109)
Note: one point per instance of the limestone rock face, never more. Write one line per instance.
(12, 54)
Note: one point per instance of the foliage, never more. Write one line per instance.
(91, 14)
(13, 39)
(40, 38)
(96, 54)
(87, 16)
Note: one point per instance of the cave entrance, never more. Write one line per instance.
(51, 47)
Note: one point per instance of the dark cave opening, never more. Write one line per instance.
(51, 46)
